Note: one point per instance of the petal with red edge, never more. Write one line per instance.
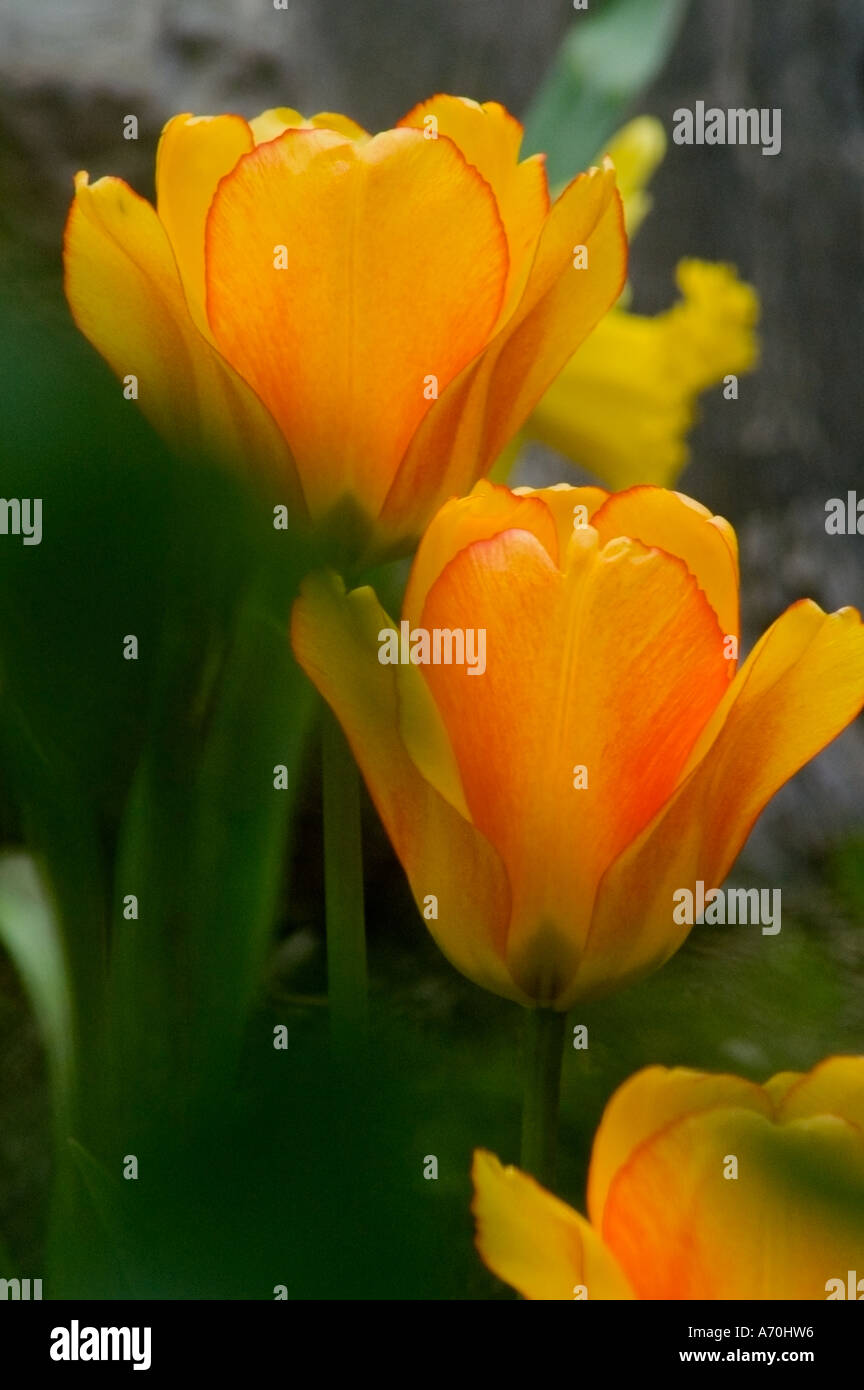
(614, 666)
(799, 688)
(487, 403)
(487, 511)
(646, 1104)
(126, 297)
(326, 341)
(489, 138)
(675, 523)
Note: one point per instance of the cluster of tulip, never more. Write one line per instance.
(432, 252)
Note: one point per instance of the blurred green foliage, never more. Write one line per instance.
(612, 53)
(845, 876)
(152, 777)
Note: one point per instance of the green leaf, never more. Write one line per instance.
(104, 1192)
(29, 932)
(202, 847)
(110, 1242)
(845, 872)
(6, 1261)
(607, 60)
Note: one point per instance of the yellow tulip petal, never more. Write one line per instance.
(425, 737)
(490, 138)
(799, 688)
(623, 405)
(788, 639)
(680, 1229)
(460, 438)
(614, 665)
(194, 153)
(646, 1104)
(487, 511)
(126, 297)
(776, 1087)
(336, 641)
(343, 125)
(571, 507)
(273, 123)
(682, 527)
(396, 265)
(534, 1242)
(835, 1087)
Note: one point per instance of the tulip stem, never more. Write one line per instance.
(343, 893)
(544, 1054)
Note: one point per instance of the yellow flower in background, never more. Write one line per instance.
(600, 753)
(636, 151)
(671, 1216)
(367, 320)
(623, 406)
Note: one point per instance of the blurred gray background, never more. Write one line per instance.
(71, 69)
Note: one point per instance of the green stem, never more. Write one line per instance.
(544, 1054)
(343, 891)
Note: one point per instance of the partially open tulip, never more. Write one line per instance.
(624, 404)
(366, 319)
(700, 1187)
(547, 808)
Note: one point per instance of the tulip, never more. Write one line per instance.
(624, 404)
(547, 810)
(365, 320)
(699, 1187)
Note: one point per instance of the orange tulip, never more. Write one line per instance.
(700, 1187)
(546, 810)
(367, 319)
